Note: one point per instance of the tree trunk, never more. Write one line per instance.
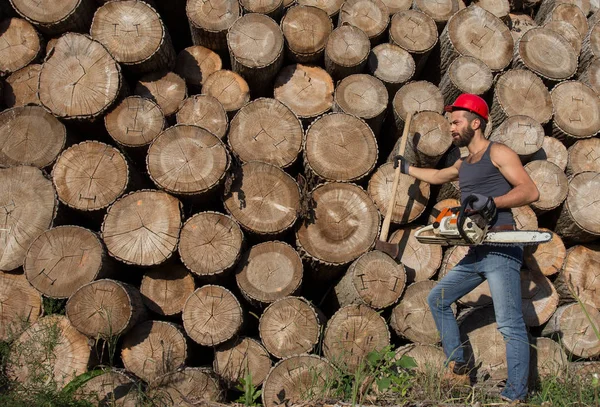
(415, 32)
(583, 156)
(90, 176)
(56, 17)
(293, 378)
(270, 8)
(268, 272)
(134, 34)
(195, 64)
(307, 90)
(165, 289)
(30, 204)
(480, 296)
(576, 111)
(105, 309)
(590, 76)
(590, 49)
(204, 154)
(465, 75)
(519, 24)
(548, 360)
(212, 315)
(236, 360)
(167, 89)
(572, 325)
(499, 8)
(520, 92)
(29, 135)
(363, 96)
(97, 76)
(411, 318)
(306, 30)
(539, 298)
(395, 6)
(154, 348)
(189, 386)
(346, 52)
(255, 44)
(580, 275)
(21, 87)
(553, 151)
(142, 227)
(551, 182)
(578, 220)
(23, 45)
(290, 326)
(371, 16)
(522, 134)
(568, 31)
(546, 258)
(415, 97)
(266, 130)
(430, 359)
(210, 244)
(411, 198)
(204, 111)
(113, 387)
(563, 11)
(229, 88)
(440, 11)
(392, 65)
(374, 279)
(20, 305)
(209, 23)
(351, 334)
(420, 261)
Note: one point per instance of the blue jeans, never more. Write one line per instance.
(501, 266)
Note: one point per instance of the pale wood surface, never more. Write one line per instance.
(371, 16)
(204, 111)
(414, 31)
(306, 29)
(196, 63)
(165, 289)
(550, 181)
(167, 89)
(113, 387)
(546, 258)
(21, 86)
(580, 275)
(21, 305)
(135, 122)
(346, 51)
(576, 110)
(420, 261)
(554, 151)
(21, 45)
(229, 88)
(522, 134)
(578, 220)
(583, 156)
(236, 360)
(539, 297)
(571, 323)
(189, 385)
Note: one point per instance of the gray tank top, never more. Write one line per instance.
(484, 178)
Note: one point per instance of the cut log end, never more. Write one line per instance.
(414, 31)
(164, 290)
(189, 385)
(306, 30)
(196, 63)
(576, 111)
(167, 89)
(229, 88)
(550, 181)
(204, 111)
(21, 86)
(135, 122)
(236, 360)
(371, 16)
(21, 45)
(420, 261)
(21, 305)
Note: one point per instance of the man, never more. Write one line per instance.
(494, 174)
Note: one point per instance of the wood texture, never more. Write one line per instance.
(189, 385)
(21, 86)
(392, 65)
(112, 387)
(21, 305)
(204, 111)
(522, 134)
(579, 275)
(306, 29)
(572, 324)
(576, 111)
(539, 298)
(415, 97)
(209, 21)
(550, 181)
(554, 151)
(135, 122)
(465, 75)
(229, 88)
(546, 258)
(53, 17)
(167, 89)
(236, 360)
(420, 261)
(165, 289)
(22, 45)
(194, 64)
(583, 156)
(590, 76)
(578, 220)
(415, 32)
(346, 51)
(371, 16)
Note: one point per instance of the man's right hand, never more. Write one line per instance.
(401, 161)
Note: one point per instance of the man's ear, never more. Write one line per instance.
(476, 124)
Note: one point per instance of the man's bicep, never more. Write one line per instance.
(512, 169)
(450, 174)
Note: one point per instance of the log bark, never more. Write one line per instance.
(590, 76)
(229, 88)
(522, 134)
(420, 261)
(499, 8)
(351, 333)
(480, 296)
(105, 308)
(113, 387)
(31, 201)
(38, 344)
(576, 111)
(563, 11)
(465, 75)
(255, 44)
(209, 22)
(343, 224)
(521, 92)
(204, 154)
(21, 87)
(339, 147)
(371, 16)
(290, 326)
(583, 156)
(29, 135)
(494, 44)
(579, 275)
(346, 52)
(363, 96)
(79, 79)
(411, 198)
(306, 90)
(23, 45)
(411, 318)
(414, 97)
(546, 258)
(291, 379)
(539, 298)
(134, 34)
(519, 24)
(306, 29)
(331, 7)
(374, 279)
(568, 31)
(90, 176)
(196, 63)
(167, 89)
(56, 17)
(570, 322)
(142, 227)
(578, 221)
(165, 289)
(234, 361)
(210, 244)
(261, 210)
(204, 111)
(430, 359)
(269, 272)
(191, 385)
(63, 259)
(212, 315)
(20, 305)
(270, 8)
(415, 32)
(266, 130)
(553, 151)
(440, 11)
(551, 182)
(135, 123)
(392, 65)
(154, 348)
(590, 49)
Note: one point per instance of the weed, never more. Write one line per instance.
(250, 394)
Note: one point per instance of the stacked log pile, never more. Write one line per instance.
(206, 181)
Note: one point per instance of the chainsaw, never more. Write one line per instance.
(460, 226)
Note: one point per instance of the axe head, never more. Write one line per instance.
(391, 249)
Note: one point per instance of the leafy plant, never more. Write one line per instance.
(250, 394)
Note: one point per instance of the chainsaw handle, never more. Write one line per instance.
(460, 222)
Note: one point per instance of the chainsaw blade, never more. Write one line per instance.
(426, 235)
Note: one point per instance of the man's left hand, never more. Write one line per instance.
(484, 205)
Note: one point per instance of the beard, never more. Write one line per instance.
(465, 137)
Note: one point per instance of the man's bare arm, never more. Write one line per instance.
(434, 176)
(524, 189)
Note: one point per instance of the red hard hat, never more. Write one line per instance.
(472, 103)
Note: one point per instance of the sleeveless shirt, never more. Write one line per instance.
(484, 178)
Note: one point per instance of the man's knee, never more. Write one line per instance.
(435, 299)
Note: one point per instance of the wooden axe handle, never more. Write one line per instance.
(385, 228)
